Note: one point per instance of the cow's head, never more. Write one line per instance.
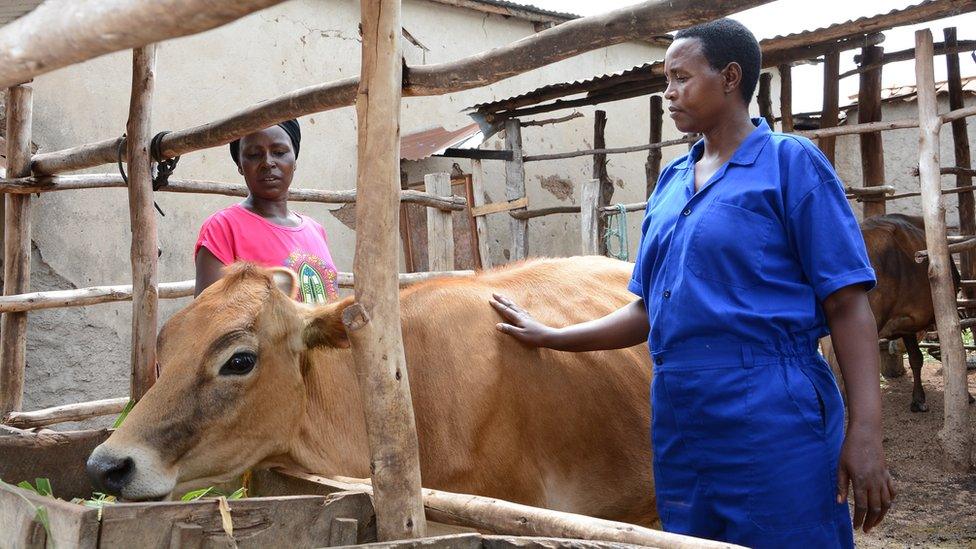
(231, 391)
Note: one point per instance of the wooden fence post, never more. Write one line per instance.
(440, 225)
(960, 140)
(589, 213)
(373, 321)
(831, 103)
(16, 249)
(143, 251)
(786, 98)
(653, 165)
(765, 99)
(515, 189)
(600, 171)
(956, 433)
(480, 222)
(869, 110)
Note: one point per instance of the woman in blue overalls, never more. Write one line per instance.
(749, 253)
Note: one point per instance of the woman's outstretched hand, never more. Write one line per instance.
(520, 324)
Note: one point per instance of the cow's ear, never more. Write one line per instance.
(285, 280)
(324, 327)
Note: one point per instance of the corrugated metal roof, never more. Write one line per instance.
(640, 72)
(425, 143)
(511, 9)
(528, 7)
(908, 92)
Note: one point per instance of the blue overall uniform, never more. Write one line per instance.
(747, 418)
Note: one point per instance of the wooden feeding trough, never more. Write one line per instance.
(286, 509)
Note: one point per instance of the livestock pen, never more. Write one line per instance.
(399, 501)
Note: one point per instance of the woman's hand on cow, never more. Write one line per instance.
(862, 465)
(520, 324)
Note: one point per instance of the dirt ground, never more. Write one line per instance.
(933, 508)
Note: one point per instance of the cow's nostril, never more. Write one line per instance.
(110, 474)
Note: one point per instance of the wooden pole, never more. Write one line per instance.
(653, 165)
(373, 322)
(831, 107)
(59, 34)
(480, 223)
(765, 99)
(786, 97)
(16, 250)
(600, 171)
(589, 214)
(956, 434)
(440, 226)
(869, 110)
(515, 189)
(960, 141)
(82, 297)
(142, 219)
(63, 414)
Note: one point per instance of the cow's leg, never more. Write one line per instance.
(915, 359)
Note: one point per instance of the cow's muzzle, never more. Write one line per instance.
(109, 473)
(129, 472)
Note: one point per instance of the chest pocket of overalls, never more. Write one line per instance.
(728, 245)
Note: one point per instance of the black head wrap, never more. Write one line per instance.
(291, 128)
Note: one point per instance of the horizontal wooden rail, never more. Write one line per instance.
(541, 212)
(42, 184)
(63, 414)
(618, 150)
(923, 255)
(168, 290)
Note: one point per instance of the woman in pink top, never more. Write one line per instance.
(262, 229)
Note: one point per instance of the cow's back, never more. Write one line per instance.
(567, 431)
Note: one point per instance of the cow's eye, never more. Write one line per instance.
(239, 364)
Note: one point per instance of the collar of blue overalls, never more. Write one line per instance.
(745, 155)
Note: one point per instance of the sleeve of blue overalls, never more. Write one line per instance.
(824, 231)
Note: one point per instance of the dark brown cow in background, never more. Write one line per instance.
(902, 300)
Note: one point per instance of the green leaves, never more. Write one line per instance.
(194, 495)
(125, 412)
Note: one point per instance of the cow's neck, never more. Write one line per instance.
(331, 439)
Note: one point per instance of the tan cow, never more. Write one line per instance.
(250, 378)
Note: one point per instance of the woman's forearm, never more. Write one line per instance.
(625, 327)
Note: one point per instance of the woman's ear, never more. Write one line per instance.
(732, 76)
(240, 170)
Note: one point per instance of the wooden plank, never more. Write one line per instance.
(440, 226)
(344, 532)
(16, 250)
(956, 434)
(652, 167)
(515, 189)
(496, 207)
(43, 184)
(481, 224)
(453, 541)
(143, 251)
(589, 229)
(65, 413)
(831, 103)
(963, 160)
(280, 521)
(765, 99)
(59, 456)
(373, 321)
(650, 18)
(786, 98)
(59, 34)
(872, 147)
(71, 525)
(542, 212)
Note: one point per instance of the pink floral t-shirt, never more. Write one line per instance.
(237, 234)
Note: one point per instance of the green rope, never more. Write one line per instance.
(617, 235)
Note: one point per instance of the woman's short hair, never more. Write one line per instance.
(291, 127)
(727, 41)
